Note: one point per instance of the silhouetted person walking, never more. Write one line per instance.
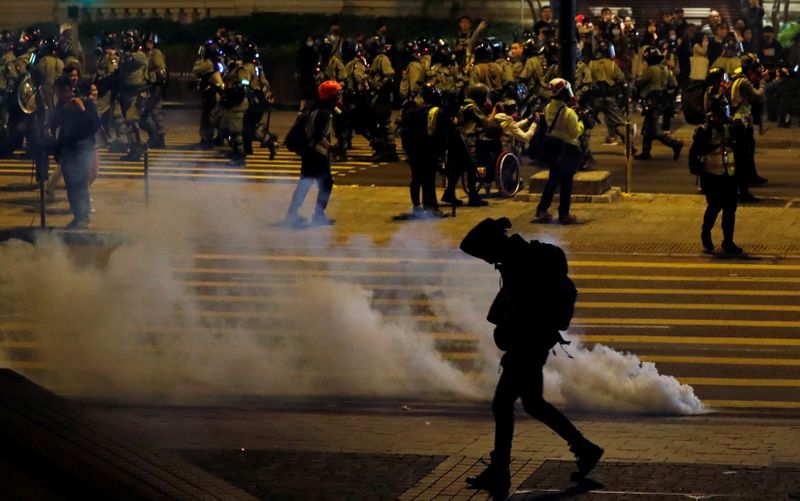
(536, 301)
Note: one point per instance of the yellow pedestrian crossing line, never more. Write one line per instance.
(690, 340)
(739, 382)
(694, 322)
(686, 266)
(751, 404)
(690, 292)
(670, 359)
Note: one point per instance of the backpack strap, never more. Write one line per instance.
(555, 119)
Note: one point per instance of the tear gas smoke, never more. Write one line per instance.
(132, 329)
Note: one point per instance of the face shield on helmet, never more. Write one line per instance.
(560, 89)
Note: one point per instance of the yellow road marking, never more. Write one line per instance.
(698, 340)
(687, 266)
(686, 306)
(686, 321)
(683, 278)
(739, 382)
(752, 404)
(669, 359)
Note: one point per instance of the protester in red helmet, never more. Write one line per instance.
(316, 157)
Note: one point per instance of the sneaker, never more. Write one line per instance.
(295, 221)
(322, 220)
(78, 224)
(493, 478)
(587, 456)
(643, 156)
(610, 142)
(708, 244)
(542, 215)
(732, 249)
(676, 150)
(567, 219)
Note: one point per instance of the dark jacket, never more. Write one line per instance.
(76, 129)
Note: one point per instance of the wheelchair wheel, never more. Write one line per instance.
(507, 174)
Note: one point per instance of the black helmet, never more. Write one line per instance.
(442, 54)
(425, 46)
(375, 46)
(653, 56)
(532, 48)
(130, 40)
(152, 37)
(718, 109)
(604, 50)
(410, 50)
(48, 46)
(30, 37)
(431, 94)
(751, 64)
(64, 48)
(731, 46)
(528, 35)
(210, 50)
(326, 48)
(107, 40)
(478, 93)
(349, 50)
(497, 46)
(482, 52)
(716, 77)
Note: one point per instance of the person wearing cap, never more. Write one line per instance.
(315, 164)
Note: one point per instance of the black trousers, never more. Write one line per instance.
(423, 178)
(459, 161)
(721, 196)
(744, 153)
(522, 378)
(561, 174)
(651, 130)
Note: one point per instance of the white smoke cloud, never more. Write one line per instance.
(130, 329)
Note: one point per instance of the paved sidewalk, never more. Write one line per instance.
(668, 224)
(432, 454)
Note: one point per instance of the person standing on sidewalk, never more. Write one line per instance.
(535, 303)
(76, 121)
(315, 164)
(564, 157)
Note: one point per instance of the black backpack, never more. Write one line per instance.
(297, 139)
(414, 130)
(544, 148)
(692, 103)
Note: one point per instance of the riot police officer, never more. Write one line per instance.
(105, 78)
(208, 73)
(413, 76)
(381, 76)
(606, 82)
(235, 105)
(653, 84)
(485, 70)
(157, 80)
(133, 92)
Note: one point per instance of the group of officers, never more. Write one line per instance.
(129, 77)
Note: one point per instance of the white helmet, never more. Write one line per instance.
(560, 86)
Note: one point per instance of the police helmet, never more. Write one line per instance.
(560, 89)
(30, 36)
(551, 51)
(653, 56)
(326, 47)
(716, 77)
(482, 52)
(431, 94)
(48, 46)
(532, 48)
(349, 50)
(604, 50)
(107, 40)
(130, 40)
(732, 47)
(497, 46)
(410, 50)
(478, 93)
(152, 37)
(443, 53)
(425, 46)
(64, 48)
(528, 35)
(375, 46)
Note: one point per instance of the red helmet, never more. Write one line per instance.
(328, 90)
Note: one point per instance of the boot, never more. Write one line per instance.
(495, 478)
(587, 456)
(731, 248)
(676, 150)
(158, 143)
(645, 155)
(708, 244)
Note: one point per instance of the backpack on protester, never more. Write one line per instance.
(298, 139)
(539, 269)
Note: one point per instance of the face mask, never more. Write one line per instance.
(615, 32)
(673, 37)
(310, 43)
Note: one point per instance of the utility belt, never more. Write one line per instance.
(233, 96)
(603, 89)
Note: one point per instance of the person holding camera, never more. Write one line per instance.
(75, 121)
